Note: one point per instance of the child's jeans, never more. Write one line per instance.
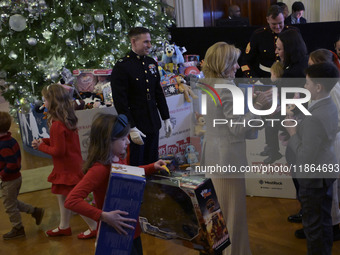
(13, 207)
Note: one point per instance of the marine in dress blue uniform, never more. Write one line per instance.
(137, 93)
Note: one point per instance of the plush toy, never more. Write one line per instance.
(199, 131)
(172, 57)
(191, 154)
(185, 89)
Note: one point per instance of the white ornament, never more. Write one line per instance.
(12, 55)
(32, 41)
(17, 22)
(99, 17)
(54, 76)
(77, 26)
(68, 42)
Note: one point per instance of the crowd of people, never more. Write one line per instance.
(277, 52)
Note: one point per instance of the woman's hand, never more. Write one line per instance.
(36, 143)
(263, 99)
(117, 221)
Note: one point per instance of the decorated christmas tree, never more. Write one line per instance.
(41, 37)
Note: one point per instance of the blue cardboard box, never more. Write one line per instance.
(125, 192)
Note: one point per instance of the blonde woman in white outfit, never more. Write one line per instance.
(225, 145)
(318, 56)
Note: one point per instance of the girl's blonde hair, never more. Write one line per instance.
(219, 60)
(277, 69)
(105, 129)
(60, 106)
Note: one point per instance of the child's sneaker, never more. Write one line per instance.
(14, 233)
(38, 215)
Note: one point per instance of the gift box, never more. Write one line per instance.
(169, 85)
(125, 193)
(186, 210)
(189, 58)
(91, 80)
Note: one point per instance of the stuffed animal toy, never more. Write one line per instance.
(191, 154)
(200, 123)
(185, 89)
(172, 57)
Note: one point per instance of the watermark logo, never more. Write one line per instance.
(238, 100)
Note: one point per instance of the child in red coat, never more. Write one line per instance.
(108, 143)
(64, 147)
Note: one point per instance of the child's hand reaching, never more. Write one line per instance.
(160, 166)
(36, 143)
(117, 220)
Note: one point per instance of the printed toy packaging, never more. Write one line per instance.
(124, 192)
(185, 209)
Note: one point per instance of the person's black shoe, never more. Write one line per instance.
(265, 151)
(295, 218)
(300, 234)
(272, 158)
(336, 232)
(38, 214)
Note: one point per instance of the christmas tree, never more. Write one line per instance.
(41, 37)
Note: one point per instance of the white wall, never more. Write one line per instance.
(189, 13)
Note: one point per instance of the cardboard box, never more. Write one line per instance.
(125, 192)
(91, 80)
(185, 209)
(85, 118)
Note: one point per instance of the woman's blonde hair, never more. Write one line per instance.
(277, 69)
(60, 106)
(219, 60)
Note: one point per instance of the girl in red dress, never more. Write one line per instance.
(64, 147)
(108, 143)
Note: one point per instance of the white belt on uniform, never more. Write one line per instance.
(264, 68)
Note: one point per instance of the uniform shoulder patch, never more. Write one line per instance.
(248, 48)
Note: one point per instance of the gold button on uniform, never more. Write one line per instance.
(143, 63)
(264, 50)
(146, 71)
(147, 80)
(147, 90)
(137, 79)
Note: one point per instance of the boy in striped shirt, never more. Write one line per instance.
(10, 180)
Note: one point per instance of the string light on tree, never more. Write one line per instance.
(43, 36)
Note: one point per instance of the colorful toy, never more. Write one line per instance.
(191, 154)
(172, 57)
(199, 130)
(185, 89)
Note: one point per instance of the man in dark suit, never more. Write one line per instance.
(234, 18)
(296, 17)
(311, 151)
(137, 93)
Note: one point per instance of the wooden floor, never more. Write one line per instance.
(269, 231)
